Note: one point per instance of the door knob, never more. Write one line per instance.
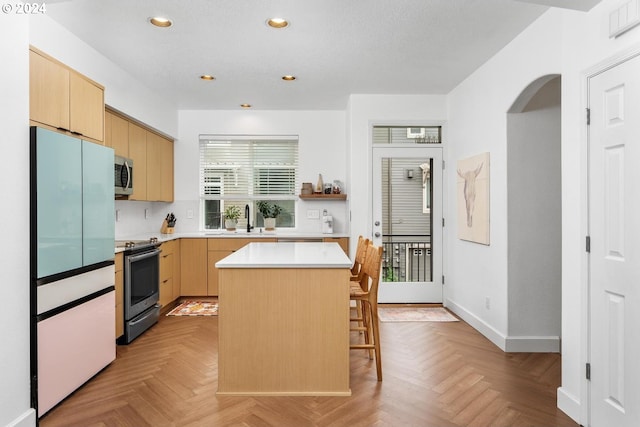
(376, 223)
(377, 234)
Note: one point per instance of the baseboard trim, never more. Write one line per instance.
(508, 344)
(533, 344)
(569, 404)
(480, 325)
(27, 419)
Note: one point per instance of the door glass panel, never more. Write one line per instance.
(406, 220)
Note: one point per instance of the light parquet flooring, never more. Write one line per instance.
(435, 374)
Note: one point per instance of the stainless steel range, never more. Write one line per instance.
(141, 286)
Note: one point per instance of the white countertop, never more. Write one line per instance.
(239, 234)
(287, 255)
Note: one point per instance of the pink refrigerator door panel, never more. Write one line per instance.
(72, 347)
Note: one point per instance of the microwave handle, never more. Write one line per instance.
(128, 178)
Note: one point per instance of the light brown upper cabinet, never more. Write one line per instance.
(64, 99)
(116, 133)
(159, 168)
(138, 153)
(166, 159)
(152, 156)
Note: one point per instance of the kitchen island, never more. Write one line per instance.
(284, 320)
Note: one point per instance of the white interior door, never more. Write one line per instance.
(614, 226)
(407, 222)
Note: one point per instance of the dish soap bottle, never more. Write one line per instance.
(319, 185)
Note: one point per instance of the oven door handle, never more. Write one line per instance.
(140, 257)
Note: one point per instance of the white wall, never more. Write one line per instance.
(365, 111)
(477, 123)
(15, 402)
(535, 222)
(122, 91)
(322, 149)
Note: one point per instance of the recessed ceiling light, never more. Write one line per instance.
(160, 21)
(245, 105)
(207, 77)
(277, 23)
(288, 78)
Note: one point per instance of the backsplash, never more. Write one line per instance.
(137, 217)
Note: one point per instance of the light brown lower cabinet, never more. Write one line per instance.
(119, 285)
(218, 249)
(198, 256)
(193, 264)
(167, 274)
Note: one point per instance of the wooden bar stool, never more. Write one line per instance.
(357, 271)
(365, 292)
(361, 250)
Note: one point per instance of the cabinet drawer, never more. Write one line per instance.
(166, 266)
(168, 247)
(166, 291)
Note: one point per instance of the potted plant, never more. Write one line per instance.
(231, 215)
(270, 212)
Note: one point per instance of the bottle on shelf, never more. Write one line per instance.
(320, 185)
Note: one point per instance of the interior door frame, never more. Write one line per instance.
(586, 345)
(434, 152)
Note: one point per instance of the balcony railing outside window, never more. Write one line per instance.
(407, 258)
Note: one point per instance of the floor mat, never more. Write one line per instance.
(415, 314)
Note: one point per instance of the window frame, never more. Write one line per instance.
(248, 173)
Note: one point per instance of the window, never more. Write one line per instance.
(407, 135)
(242, 170)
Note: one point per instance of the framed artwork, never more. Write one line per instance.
(473, 198)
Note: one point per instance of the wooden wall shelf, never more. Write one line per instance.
(323, 196)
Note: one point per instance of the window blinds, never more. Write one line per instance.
(248, 168)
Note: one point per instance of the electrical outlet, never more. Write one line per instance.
(313, 214)
(189, 213)
(146, 213)
(117, 215)
(487, 303)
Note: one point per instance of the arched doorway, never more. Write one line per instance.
(534, 218)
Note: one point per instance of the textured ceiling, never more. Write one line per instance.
(334, 47)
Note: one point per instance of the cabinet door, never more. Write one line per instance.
(48, 92)
(86, 107)
(193, 256)
(212, 274)
(166, 159)
(138, 152)
(177, 268)
(116, 134)
(98, 222)
(58, 207)
(154, 167)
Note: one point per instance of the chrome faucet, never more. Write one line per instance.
(247, 216)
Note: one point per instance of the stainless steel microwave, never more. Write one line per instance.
(123, 176)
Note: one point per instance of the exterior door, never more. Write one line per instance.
(614, 226)
(407, 222)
